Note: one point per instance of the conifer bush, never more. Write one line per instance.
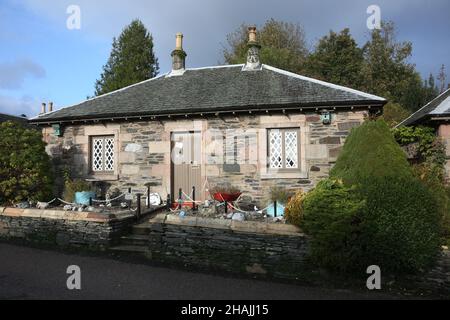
(381, 215)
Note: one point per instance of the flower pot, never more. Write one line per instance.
(82, 198)
(228, 197)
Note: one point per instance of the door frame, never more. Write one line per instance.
(174, 193)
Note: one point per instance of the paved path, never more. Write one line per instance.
(29, 273)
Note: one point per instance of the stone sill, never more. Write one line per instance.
(64, 215)
(100, 177)
(240, 226)
(284, 175)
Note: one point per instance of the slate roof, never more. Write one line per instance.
(213, 89)
(6, 117)
(438, 107)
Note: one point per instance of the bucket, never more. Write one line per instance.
(83, 197)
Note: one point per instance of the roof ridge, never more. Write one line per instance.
(328, 84)
(101, 96)
(413, 114)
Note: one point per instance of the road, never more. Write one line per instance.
(30, 273)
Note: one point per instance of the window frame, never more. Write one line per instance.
(91, 154)
(283, 149)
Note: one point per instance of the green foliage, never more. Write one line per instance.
(331, 217)
(391, 219)
(293, 211)
(25, 167)
(73, 186)
(400, 225)
(283, 45)
(430, 148)
(394, 113)
(429, 166)
(132, 60)
(371, 151)
(337, 59)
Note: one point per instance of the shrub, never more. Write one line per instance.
(332, 219)
(293, 211)
(371, 151)
(398, 227)
(25, 167)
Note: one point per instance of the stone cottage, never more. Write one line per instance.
(435, 114)
(251, 125)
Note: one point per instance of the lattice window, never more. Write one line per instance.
(291, 149)
(283, 149)
(102, 156)
(276, 149)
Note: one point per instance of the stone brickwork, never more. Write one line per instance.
(64, 229)
(275, 250)
(144, 151)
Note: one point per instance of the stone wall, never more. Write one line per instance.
(64, 229)
(276, 250)
(144, 151)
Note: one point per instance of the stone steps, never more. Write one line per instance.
(141, 229)
(135, 240)
(131, 249)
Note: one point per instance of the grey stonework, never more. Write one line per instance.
(273, 255)
(144, 152)
(64, 232)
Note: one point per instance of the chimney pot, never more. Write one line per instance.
(50, 107)
(178, 56)
(43, 108)
(253, 61)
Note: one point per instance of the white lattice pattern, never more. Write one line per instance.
(291, 149)
(109, 154)
(276, 149)
(97, 155)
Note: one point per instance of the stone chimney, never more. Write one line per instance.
(253, 61)
(50, 107)
(43, 108)
(178, 56)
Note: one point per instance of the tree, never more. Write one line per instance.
(442, 78)
(386, 68)
(336, 59)
(25, 167)
(394, 113)
(283, 45)
(132, 60)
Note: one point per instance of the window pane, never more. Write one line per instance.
(291, 149)
(97, 154)
(109, 154)
(275, 149)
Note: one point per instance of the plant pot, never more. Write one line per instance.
(228, 197)
(83, 197)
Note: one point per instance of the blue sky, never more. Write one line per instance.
(42, 60)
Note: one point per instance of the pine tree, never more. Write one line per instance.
(336, 59)
(132, 60)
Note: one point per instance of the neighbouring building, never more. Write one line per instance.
(251, 125)
(7, 117)
(435, 114)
